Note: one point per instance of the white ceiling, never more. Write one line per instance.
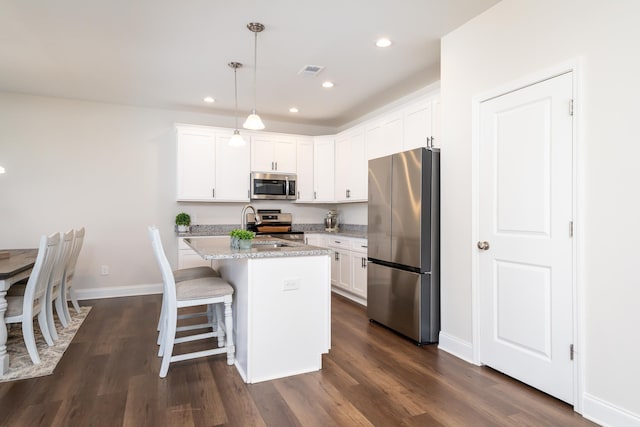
(171, 53)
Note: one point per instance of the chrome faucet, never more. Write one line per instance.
(243, 216)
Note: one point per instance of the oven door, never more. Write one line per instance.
(267, 186)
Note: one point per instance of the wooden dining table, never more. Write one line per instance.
(16, 267)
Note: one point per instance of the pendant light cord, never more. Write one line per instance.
(255, 67)
(235, 85)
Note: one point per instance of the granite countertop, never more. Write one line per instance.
(357, 234)
(262, 247)
(347, 230)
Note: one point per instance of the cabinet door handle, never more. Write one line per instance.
(298, 195)
(213, 193)
(314, 195)
(337, 256)
(276, 165)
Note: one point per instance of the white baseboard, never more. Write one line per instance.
(354, 298)
(456, 346)
(607, 414)
(118, 291)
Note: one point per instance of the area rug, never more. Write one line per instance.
(20, 364)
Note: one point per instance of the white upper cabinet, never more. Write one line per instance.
(305, 171)
(196, 168)
(435, 121)
(323, 171)
(384, 136)
(414, 125)
(421, 123)
(232, 170)
(273, 154)
(208, 170)
(330, 169)
(351, 167)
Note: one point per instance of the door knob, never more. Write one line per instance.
(483, 246)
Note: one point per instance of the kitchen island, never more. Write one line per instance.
(281, 304)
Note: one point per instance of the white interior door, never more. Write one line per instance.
(525, 222)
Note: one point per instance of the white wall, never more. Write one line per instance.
(109, 168)
(514, 39)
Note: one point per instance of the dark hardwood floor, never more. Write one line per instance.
(109, 377)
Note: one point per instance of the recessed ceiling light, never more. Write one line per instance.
(293, 110)
(383, 42)
(209, 100)
(327, 84)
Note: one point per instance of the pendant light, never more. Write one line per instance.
(254, 122)
(236, 140)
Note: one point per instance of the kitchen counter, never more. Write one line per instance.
(356, 234)
(262, 247)
(348, 230)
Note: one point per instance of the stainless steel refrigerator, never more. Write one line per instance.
(403, 274)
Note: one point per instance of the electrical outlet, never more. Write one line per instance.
(104, 270)
(291, 284)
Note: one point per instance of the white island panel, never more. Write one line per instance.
(282, 314)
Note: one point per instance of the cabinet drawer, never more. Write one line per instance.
(339, 242)
(359, 245)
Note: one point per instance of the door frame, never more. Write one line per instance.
(578, 322)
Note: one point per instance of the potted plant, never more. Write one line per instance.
(183, 221)
(241, 239)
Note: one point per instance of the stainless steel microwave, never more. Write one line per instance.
(272, 186)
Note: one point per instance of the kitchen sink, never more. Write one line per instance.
(269, 245)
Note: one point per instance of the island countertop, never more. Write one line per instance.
(267, 247)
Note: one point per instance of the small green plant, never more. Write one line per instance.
(242, 234)
(183, 219)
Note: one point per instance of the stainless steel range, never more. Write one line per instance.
(273, 223)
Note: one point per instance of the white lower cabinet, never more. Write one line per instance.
(359, 267)
(341, 268)
(349, 267)
(319, 240)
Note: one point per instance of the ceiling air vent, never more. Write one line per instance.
(310, 70)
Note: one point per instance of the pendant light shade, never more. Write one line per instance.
(254, 122)
(236, 140)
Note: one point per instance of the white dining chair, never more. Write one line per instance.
(182, 275)
(213, 292)
(55, 293)
(23, 308)
(69, 273)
